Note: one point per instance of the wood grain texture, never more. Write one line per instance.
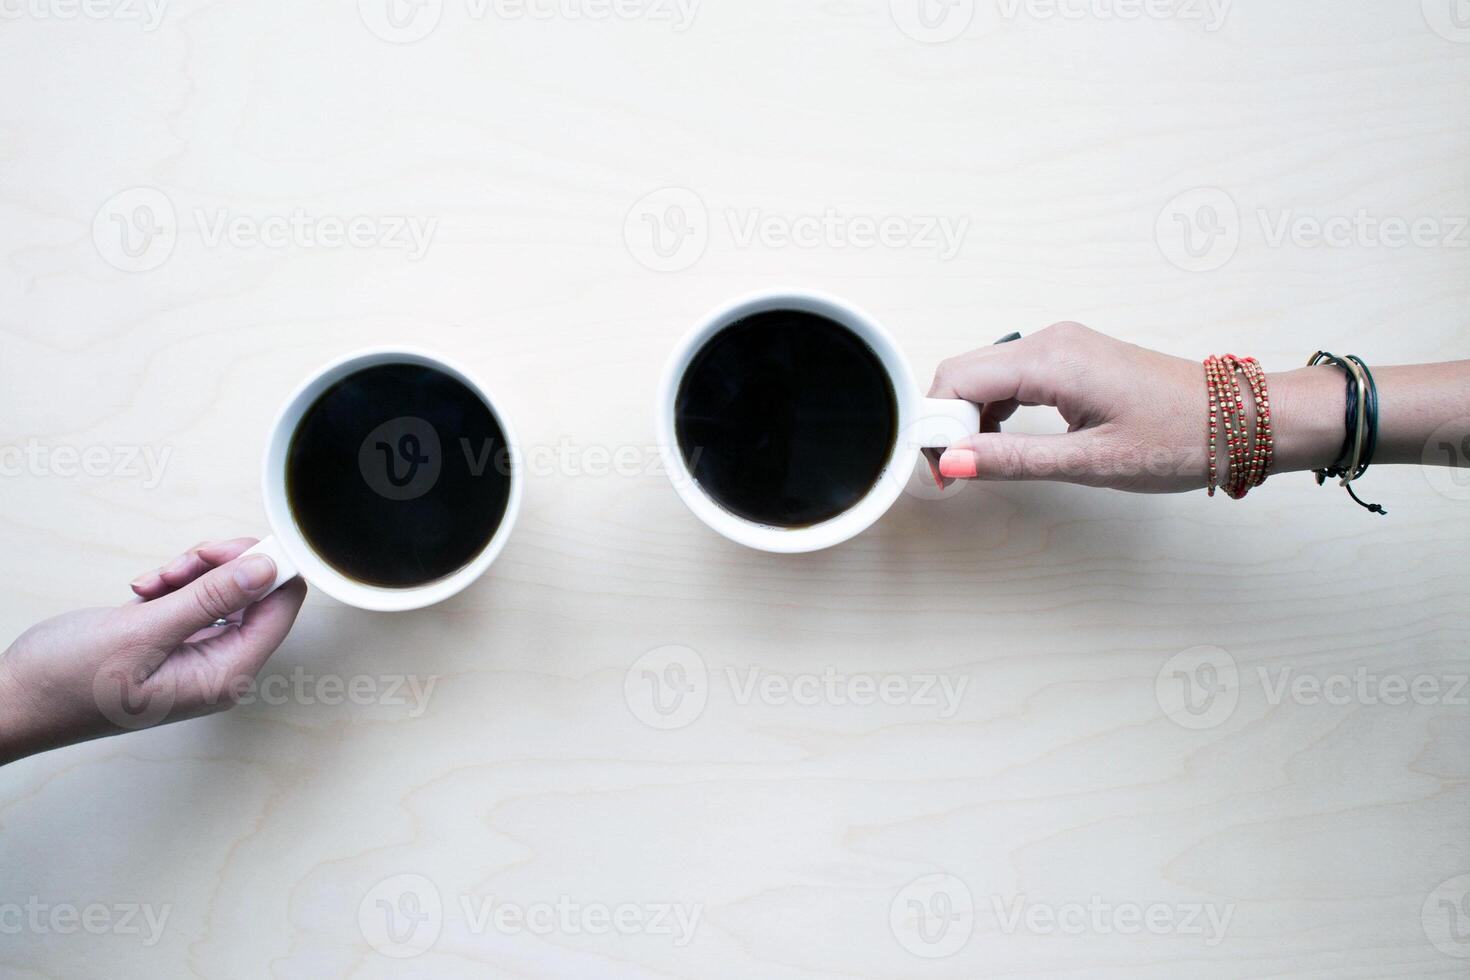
(795, 826)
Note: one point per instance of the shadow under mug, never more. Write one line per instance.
(923, 423)
(287, 546)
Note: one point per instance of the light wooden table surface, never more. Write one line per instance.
(979, 740)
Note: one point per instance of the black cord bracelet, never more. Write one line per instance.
(1372, 411)
(1361, 422)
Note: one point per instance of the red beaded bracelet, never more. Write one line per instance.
(1249, 455)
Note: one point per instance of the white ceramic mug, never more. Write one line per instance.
(288, 547)
(923, 423)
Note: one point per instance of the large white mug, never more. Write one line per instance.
(289, 548)
(923, 423)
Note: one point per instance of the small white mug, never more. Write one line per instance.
(923, 423)
(289, 549)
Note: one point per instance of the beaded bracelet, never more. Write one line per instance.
(1249, 455)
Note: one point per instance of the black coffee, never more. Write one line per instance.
(398, 475)
(786, 418)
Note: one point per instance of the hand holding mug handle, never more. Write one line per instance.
(285, 567)
(943, 417)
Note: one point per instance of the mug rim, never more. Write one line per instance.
(861, 515)
(310, 565)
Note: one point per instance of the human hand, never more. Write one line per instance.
(1137, 419)
(157, 659)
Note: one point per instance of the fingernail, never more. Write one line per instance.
(177, 565)
(255, 572)
(959, 464)
(142, 582)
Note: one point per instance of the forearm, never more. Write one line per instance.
(18, 730)
(1308, 409)
(1420, 401)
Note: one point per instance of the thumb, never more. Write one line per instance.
(1068, 457)
(211, 597)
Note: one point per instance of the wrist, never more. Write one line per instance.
(1307, 416)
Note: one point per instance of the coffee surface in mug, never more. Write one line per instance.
(398, 475)
(786, 418)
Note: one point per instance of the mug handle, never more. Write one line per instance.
(942, 417)
(285, 568)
